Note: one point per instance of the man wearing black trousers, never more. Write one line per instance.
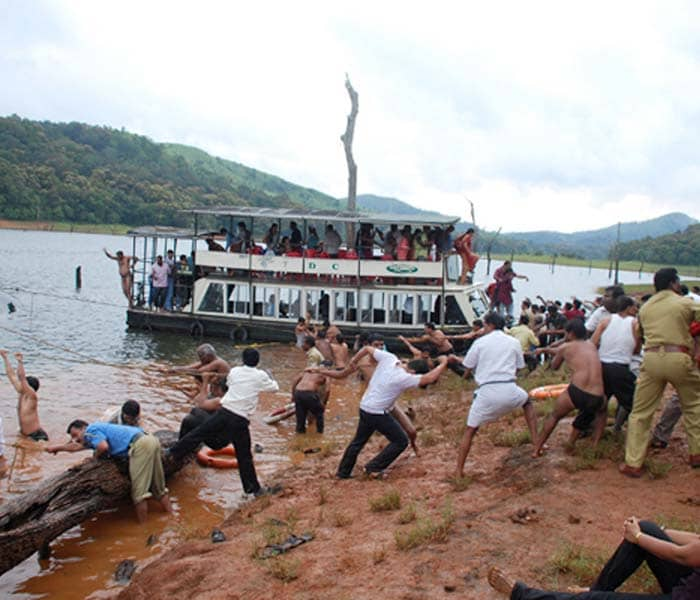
(390, 378)
(231, 421)
(672, 556)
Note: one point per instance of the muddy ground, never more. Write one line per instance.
(550, 521)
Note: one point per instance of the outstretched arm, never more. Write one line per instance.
(25, 388)
(433, 375)
(67, 447)
(10, 372)
(411, 348)
(110, 256)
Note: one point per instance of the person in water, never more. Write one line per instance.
(125, 264)
(585, 392)
(27, 398)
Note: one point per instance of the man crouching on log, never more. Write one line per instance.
(143, 450)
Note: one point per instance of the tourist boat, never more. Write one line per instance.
(258, 296)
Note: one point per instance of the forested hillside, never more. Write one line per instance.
(681, 248)
(81, 173)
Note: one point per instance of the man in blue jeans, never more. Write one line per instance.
(672, 556)
(390, 378)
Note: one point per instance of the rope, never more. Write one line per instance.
(61, 297)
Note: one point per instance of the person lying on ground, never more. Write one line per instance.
(390, 378)
(495, 359)
(673, 557)
(585, 392)
(27, 398)
(142, 449)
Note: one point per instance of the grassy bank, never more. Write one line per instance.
(105, 228)
(625, 265)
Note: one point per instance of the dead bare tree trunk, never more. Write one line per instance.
(347, 139)
(28, 523)
(488, 250)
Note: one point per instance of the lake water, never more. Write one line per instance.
(77, 343)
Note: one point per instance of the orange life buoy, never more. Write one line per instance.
(208, 457)
(548, 391)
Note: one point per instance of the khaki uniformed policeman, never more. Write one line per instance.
(668, 358)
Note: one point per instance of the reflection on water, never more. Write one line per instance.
(77, 343)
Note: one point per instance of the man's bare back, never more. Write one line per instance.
(310, 382)
(341, 354)
(586, 371)
(27, 398)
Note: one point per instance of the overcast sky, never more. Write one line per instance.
(548, 115)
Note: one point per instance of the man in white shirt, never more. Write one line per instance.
(390, 378)
(233, 418)
(612, 293)
(495, 359)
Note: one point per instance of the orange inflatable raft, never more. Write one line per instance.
(225, 458)
(548, 391)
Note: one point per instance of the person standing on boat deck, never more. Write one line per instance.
(312, 239)
(332, 241)
(670, 324)
(272, 239)
(27, 398)
(390, 378)
(125, 265)
(172, 267)
(463, 246)
(585, 392)
(502, 299)
(233, 418)
(295, 237)
(160, 273)
(142, 449)
(495, 359)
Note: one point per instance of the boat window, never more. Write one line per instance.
(289, 303)
(239, 299)
(428, 308)
(345, 307)
(478, 303)
(317, 305)
(372, 307)
(453, 312)
(213, 300)
(265, 304)
(401, 308)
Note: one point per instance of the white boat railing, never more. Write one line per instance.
(321, 266)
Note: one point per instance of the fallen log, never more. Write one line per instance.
(29, 522)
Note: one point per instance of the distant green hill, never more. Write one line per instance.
(682, 248)
(81, 173)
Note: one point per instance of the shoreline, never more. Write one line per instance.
(120, 229)
(430, 534)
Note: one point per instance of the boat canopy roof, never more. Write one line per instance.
(301, 214)
(161, 231)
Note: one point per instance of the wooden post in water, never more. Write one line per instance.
(78, 277)
(617, 255)
(554, 261)
(641, 268)
(590, 266)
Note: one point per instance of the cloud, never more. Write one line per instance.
(532, 110)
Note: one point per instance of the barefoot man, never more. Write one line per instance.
(125, 264)
(585, 392)
(310, 395)
(495, 359)
(27, 399)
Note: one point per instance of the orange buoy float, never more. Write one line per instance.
(548, 391)
(208, 457)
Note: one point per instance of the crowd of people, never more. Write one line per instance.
(615, 348)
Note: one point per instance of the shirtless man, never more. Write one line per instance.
(417, 352)
(309, 394)
(208, 362)
(341, 352)
(125, 264)
(332, 331)
(435, 337)
(324, 346)
(585, 392)
(27, 399)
